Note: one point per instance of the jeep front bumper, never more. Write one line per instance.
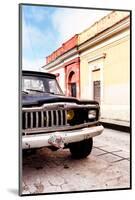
(61, 137)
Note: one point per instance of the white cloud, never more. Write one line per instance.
(33, 65)
(34, 42)
(68, 22)
(32, 39)
(32, 36)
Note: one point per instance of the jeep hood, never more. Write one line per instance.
(42, 98)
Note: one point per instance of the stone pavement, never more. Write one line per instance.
(108, 167)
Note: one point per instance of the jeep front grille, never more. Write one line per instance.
(43, 119)
(53, 117)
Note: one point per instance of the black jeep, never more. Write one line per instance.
(50, 119)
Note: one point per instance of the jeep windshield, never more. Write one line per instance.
(37, 84)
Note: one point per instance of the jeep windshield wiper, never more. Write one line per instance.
(25, 92)
(36, 90)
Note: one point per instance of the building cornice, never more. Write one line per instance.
(124, 24)
(74, 59)
(62, 59)
(103, 55)
(65, 47)
(104, 23)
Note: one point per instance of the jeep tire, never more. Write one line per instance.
(81, 149)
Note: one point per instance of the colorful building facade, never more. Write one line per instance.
(65, 63)
(95, 64)
(105, 65)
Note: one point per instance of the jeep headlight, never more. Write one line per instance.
(70, 114)
(91, 114)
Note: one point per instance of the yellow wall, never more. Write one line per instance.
(96, 75)
(116, 63)
(115, 75)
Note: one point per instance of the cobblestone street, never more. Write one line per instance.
(107, 167)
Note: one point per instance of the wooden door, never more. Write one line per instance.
(96, 90)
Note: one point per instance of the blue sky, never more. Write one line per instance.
(45, 28)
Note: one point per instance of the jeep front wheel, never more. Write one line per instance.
(81, 149)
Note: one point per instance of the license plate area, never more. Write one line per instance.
(56, 140)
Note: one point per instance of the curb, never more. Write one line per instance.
(116, 126)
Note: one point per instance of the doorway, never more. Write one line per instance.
(96, 84)
(72, 88)
(96, 90)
